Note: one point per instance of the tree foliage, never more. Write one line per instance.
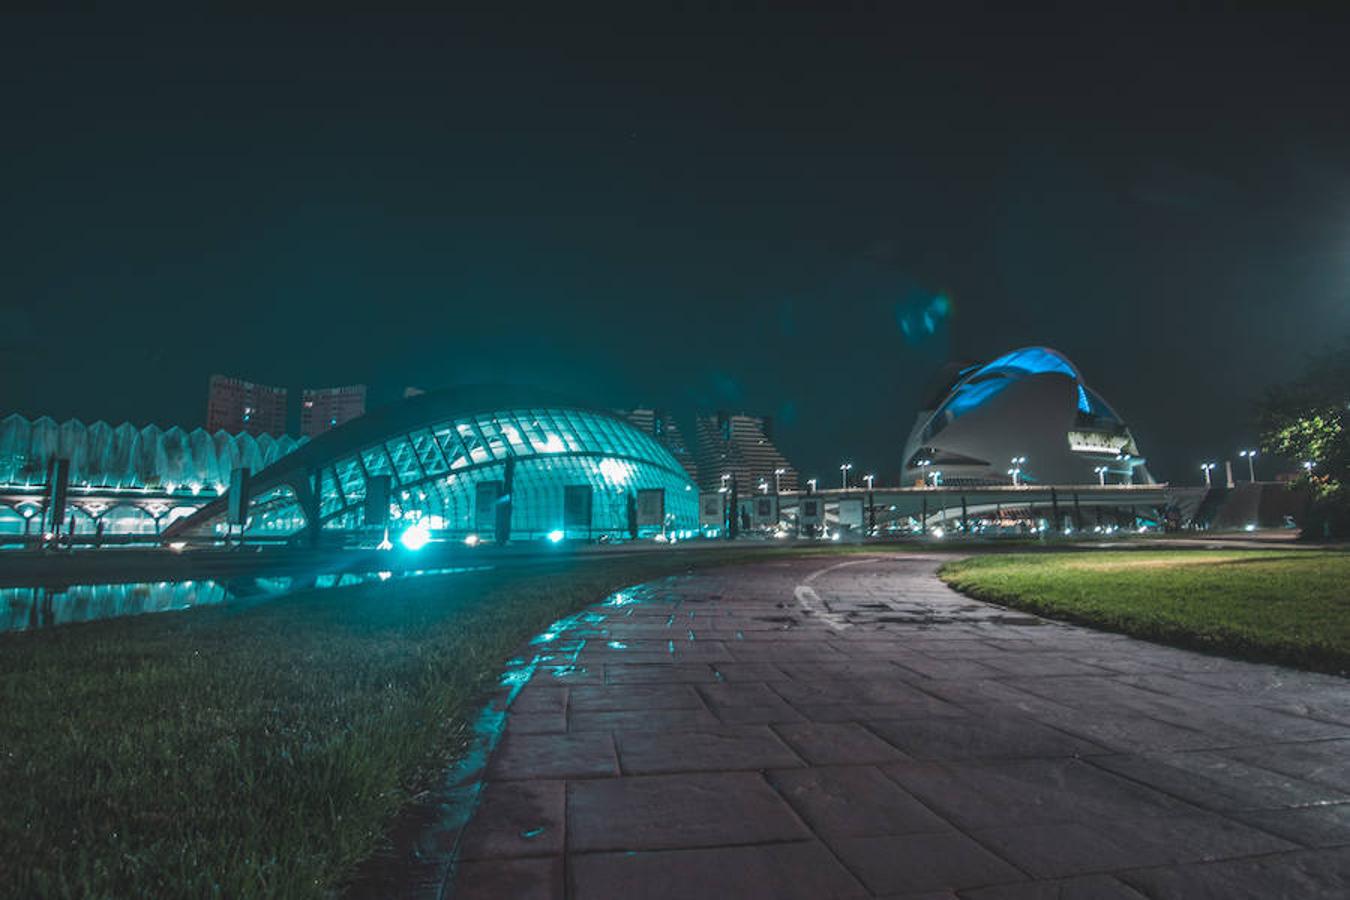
(1308, 421)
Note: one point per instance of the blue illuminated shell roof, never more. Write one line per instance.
(981, 384)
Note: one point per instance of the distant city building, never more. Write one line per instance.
(658, 424)
(235, 405)
(740, 445)
(325, 408)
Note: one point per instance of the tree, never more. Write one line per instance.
(1307, 421)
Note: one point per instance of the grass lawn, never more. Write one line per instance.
(1290, 607)
(256, 751)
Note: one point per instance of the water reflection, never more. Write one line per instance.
(30, 608)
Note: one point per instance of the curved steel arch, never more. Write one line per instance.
(427, 439)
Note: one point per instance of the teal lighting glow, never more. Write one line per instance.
(556, 535)
(475, 468)
(415, 536)
(616, 472)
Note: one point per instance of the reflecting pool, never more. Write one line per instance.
(29, 608)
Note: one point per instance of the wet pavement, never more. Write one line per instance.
(815, 728)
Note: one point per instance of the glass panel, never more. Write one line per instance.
(453, 447)
(477, 451)
(330, 498)
(352, 479)
(376, 462)
(428, 453)
(405, 460)
(513, 431)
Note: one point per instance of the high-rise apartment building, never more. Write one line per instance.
(659, 424)
(325, 408)
(235, 405)
(739, 445)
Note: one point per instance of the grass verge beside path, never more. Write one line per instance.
(1290, 607)
(257, 751)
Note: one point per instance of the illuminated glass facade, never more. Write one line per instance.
(124, 479)
(127, 458)
(459, 466)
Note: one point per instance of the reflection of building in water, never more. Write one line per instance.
(26, 608)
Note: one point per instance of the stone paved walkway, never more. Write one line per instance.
(814, 729)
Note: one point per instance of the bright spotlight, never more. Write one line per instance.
(555, 535)
(415, 536)
(471, 541)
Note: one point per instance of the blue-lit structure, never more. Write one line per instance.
(124, 479)
(1030, 405)
(485, 463)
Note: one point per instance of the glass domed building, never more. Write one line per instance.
(493, 462)
(1030, 404)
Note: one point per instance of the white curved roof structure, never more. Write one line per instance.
(1029, 403)
(125, 457)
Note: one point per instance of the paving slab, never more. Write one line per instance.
(921, 862)
(981, 794)
(798, 871)
(986, 736)
(711, 736)
(722, 748)
(517, 818)
(1114, 844)
(1087, 887)
(519, 879)
(1288, 876)
(529, 756)
(837, 743)
(853, 801)
(663, 812)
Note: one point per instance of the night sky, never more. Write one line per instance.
(798, 214)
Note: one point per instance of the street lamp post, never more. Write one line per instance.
(843, 475)
(810, 485)
(1206, 469)
(777, 474)
(869, 479)
(923, 465)
(1016, 470)
(1251, 463)
(1101, 475)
